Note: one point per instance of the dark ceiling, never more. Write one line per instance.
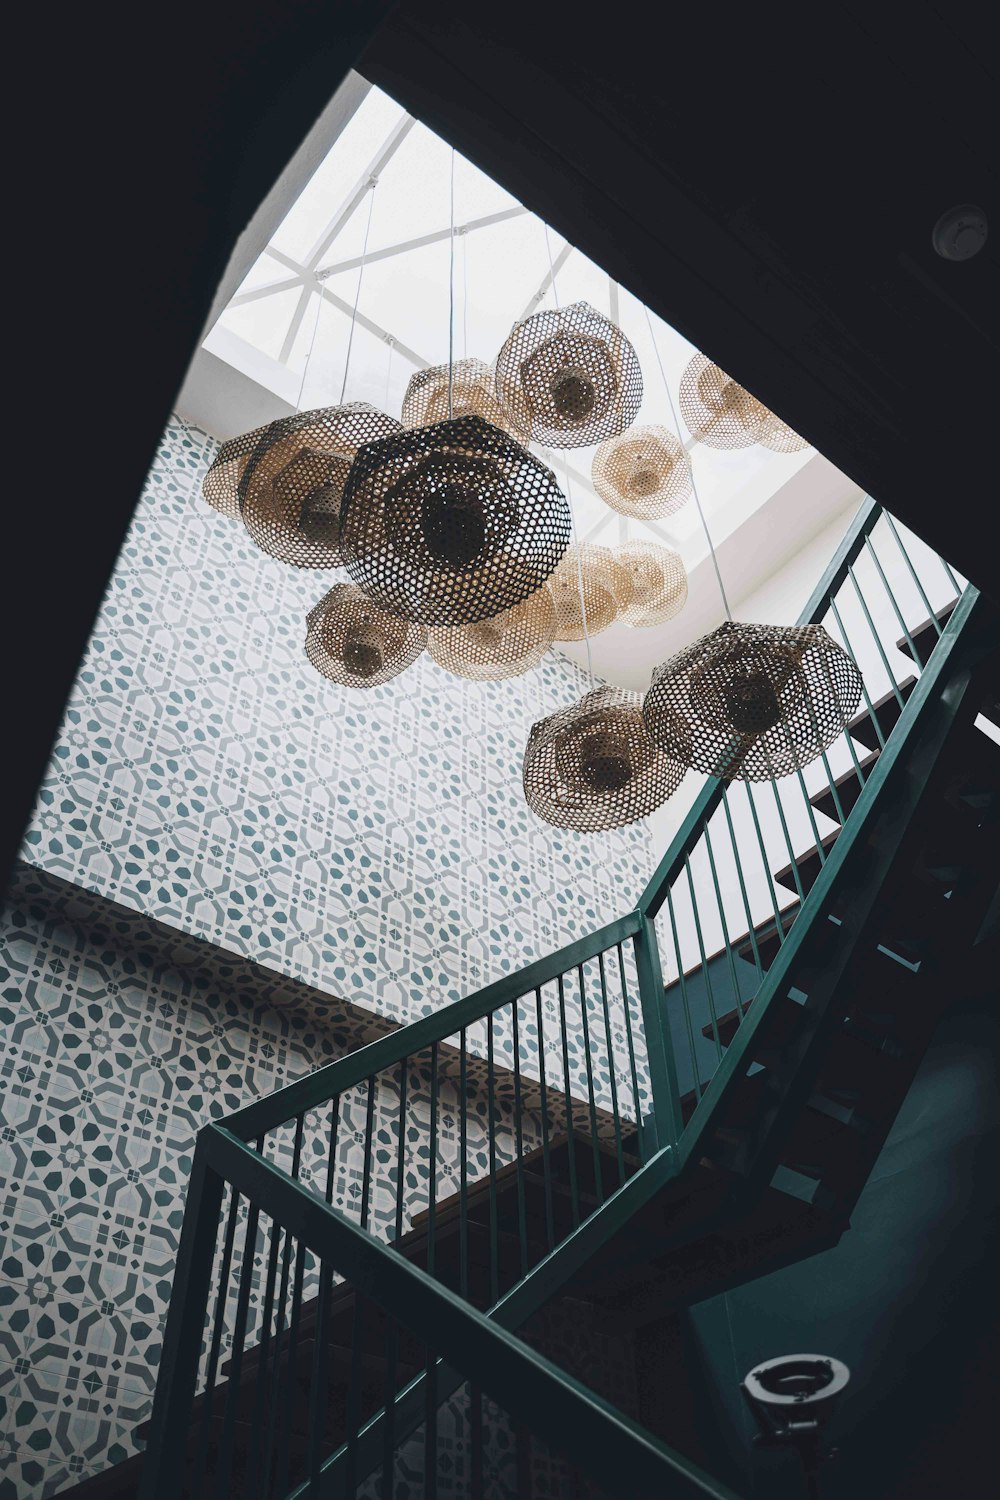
(766, 177)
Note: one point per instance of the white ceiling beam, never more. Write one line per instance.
(270, 290)
(500, 217)
(375, 167)
(548, 279)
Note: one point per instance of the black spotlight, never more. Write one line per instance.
(792, 1399)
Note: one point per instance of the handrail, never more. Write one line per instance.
(337, 1077)
(625, 1458)
(711, 794)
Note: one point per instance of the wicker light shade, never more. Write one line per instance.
(291, 490)
(593, 766)
(658, 586)
(505, 646)
(753, 701)
(606, 591)
(452, 523)
(569, 377)
(220, 485)
(473, 394)
(721, 414)
(643, 473)
(353, 642)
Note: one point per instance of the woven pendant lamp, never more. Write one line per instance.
(451, 524)
(658, 583)
(291, 490)
(779, 437)
(643, 473)
(505, 646)
(569, 377)
(221, 482)
(351, 641)
(605, 585)
(593, 766)
(753, 702)
(721, 414)
(473, 393)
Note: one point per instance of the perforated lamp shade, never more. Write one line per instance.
(451, 524)
(606, 591)
(292, 487)
(721, 414)
(473, 394)
(351, 641)
(753, 702)
(658, 586)
(504, 646)
(593, 766)
(220, 486)
(643, 473)
(569, 377)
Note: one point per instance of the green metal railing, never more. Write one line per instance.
(359, 1246)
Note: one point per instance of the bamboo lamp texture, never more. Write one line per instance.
(569, 377)
(473, 394)
(718, 411)
(643, 473)
(593, 766)
(606, 591)
(351, 641)
(658, 583)
(753, 702)
(220, 486)
(451, 524)
(291, 490)
(779, 437)
(505, 646)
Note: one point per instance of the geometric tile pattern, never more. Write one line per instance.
(375, 844)
(119, 1041)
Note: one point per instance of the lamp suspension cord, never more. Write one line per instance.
(694, 487)
(357, 294)
(465, 295)
(390, 344)
(312, 345)
(451, 295)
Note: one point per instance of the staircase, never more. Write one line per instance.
(371, 1302)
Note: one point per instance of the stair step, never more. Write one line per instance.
(849, 787)
(808, 864)
(888, 709)
(926, 635)
(767, 939)
(783, 1021)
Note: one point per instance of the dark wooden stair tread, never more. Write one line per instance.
(888, 710)
(849, 786)
(808, 864)
(926, 635)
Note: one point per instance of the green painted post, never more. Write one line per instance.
(665, 1124)
(166, 1451)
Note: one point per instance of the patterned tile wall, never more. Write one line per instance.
(376, 845)
(120, 1041)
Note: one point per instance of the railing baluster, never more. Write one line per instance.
(779, 925)
(286, 1266)
(709, 990)
(685, 1002)
(550, 1233)
(319, 1377)
(878, 643)
(463, 1169)
(292, 1393)
(331, 1158)
(432, 1163)
(215, 1345)
(788, 842)
(245, 1281)
(612, 1069)
(892, 600)
(737, 997)
(491, 1123)
(594, 1142)
(913, 572)
(522, 1211)
(258, 1435)
(401, 1146)
(743, 889)
(366, 1175)
(570, 1133)
(636, 1100)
